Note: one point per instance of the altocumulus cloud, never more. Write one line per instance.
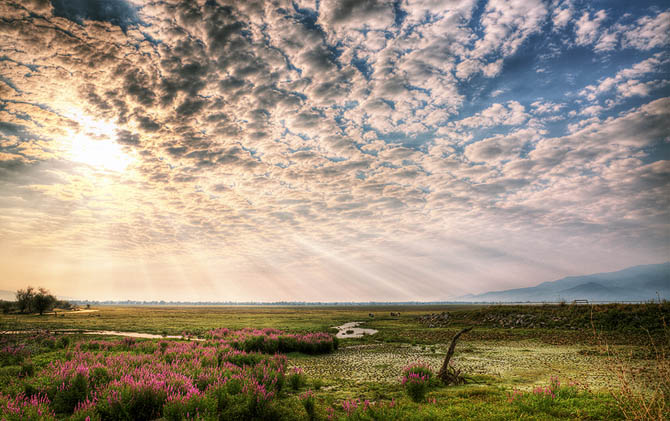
(322, 150)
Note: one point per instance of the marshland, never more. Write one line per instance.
(268, 362)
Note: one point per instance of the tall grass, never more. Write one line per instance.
(642, 393)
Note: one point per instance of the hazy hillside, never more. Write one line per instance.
(638, 283)
(7, 295)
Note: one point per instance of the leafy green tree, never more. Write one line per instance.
(24, 299)
(43, 301)
(36, 300)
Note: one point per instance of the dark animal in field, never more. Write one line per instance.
(394, 314)
(371, 315)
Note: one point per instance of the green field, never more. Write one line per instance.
(583, 346)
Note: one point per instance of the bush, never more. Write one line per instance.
(242, 359)
(27, 369)
(137, 401)
(296, 378)
(23, 407)
(64, 342)
(259, 401)
(416, 379)
(67, 396)
(100, 376)
(178, 408)
(549, 399)
(309, 403)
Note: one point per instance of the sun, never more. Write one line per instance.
(103, 154)
(94, 144)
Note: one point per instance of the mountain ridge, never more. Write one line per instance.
(636, 283)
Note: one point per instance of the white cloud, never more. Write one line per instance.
(546, 107)
(648, 32)
(625, 79)
(587, 29)
(500, 148)
(562, 14)
(510, 114)
(507, 24)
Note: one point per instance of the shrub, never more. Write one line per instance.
(259, 400)
(27, 369)
(49, 343)
(309, 403)
(70, 393)
(242, 359)
(542, 399)
(416, 379)
(643, 397)
(234, 386)
(127, 343)
(373, 411)
(141, 401)
(179, 407)
(419, 368)
(19, 408)
(99, 376)
(296, 378)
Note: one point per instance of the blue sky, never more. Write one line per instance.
(330, 150)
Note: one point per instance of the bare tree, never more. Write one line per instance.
(449, 374)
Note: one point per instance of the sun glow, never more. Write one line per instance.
(93, 144)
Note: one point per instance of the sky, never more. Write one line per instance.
(327, 150)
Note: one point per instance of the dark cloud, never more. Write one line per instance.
(116, 12)
(359, 10)
(127, 138)
(190, 107)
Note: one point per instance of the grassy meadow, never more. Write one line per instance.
(520, 362)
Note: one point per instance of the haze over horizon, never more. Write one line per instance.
(330, 151)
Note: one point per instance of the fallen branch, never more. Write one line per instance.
(449, 374)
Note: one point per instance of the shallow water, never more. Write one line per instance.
(357, 331)
(134, 334)
(111, 333)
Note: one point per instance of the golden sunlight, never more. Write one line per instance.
(94, 145)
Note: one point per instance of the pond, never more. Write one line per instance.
(351, 330)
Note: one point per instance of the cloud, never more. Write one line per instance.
(626, 80)
(648, 32)
(356, 14)
(116, 12)
(500, 148)
(510, 114)
(179, 133)
(587, 28)
(562, 14)
(507, 24)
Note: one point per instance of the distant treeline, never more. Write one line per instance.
(259, 303)
(34, 300)
(325, 303)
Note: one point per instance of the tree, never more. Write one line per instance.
(24, 299)
(43, 301)
(449, 374)
(35, 300)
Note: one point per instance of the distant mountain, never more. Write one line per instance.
(637, 283)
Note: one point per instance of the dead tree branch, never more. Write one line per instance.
(448, 374)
